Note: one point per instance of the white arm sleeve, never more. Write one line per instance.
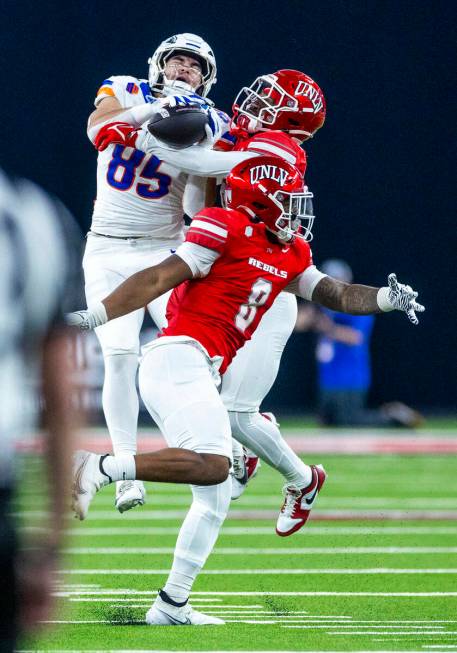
(193, 200)
(198, 258)
(194, 160)
(304, 284)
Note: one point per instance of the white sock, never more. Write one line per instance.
(120, 401)
(197, 536)
(121, 467)
(264, 438)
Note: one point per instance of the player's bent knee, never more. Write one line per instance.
(216, 468)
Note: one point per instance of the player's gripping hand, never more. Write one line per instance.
(88, 319)
(213, 129)
(115, 133)
(184, 100)
(400, 297)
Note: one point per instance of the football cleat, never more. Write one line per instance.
(129, 494)
(245, 467)
(298, 503)
(88, 478)
(165, 613)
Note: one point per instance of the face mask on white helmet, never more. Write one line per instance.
(190, 45)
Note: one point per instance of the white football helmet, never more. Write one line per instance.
(191, 45)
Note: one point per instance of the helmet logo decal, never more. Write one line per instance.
(304, 88)
(268, 172)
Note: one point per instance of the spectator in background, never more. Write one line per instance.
(344, 364)
(34, 289)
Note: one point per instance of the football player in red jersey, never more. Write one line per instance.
(233, 264)
(290, 101)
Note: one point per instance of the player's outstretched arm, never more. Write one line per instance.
(136, 292)
(366, 300)
(194, 160)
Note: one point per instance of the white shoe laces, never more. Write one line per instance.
(291, 494)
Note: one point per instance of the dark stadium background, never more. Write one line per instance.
(382, 168)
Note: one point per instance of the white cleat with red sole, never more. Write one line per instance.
(298, 503)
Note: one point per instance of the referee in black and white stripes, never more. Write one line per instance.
(38, 269)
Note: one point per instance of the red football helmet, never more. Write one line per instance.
(272, 190)
(287, 100)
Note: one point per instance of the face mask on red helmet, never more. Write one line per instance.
(272, 190)
(287, 100)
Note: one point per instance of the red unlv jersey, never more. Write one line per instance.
(223, 309)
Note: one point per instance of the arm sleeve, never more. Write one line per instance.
(198, 258)
(304, 284)
(194, 160)
(194, 195)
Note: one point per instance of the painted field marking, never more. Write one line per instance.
(267, 551)
(275, 500)
(133, 593)
(266, 530)
(98, 600)
(250, 621)
(439, 633)
(253, 572)
(320, 515)
(163, 651)
(438, 629)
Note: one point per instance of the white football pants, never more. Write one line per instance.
(179, 392)
(107, 263)
(249, 379)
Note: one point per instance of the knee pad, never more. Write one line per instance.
(213, 501)
(121, 362)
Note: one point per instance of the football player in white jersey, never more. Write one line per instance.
(138, 218)
(293, 103)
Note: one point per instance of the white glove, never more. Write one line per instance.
(89, 319)
(213, 130)
(184, 100)
(400, 297)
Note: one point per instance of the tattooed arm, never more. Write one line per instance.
(355, 298)
(346, 298)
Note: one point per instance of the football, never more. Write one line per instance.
(180, 126)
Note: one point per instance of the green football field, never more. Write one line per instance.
(374, 569)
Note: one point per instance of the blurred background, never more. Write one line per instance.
(381, 168)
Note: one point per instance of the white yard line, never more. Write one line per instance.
(147, 601)
(267, 530)
(232, 572)
(268, 551)
(134, 593)
(332, 515)
(252, 500)
(164, 651)
(435, 633)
